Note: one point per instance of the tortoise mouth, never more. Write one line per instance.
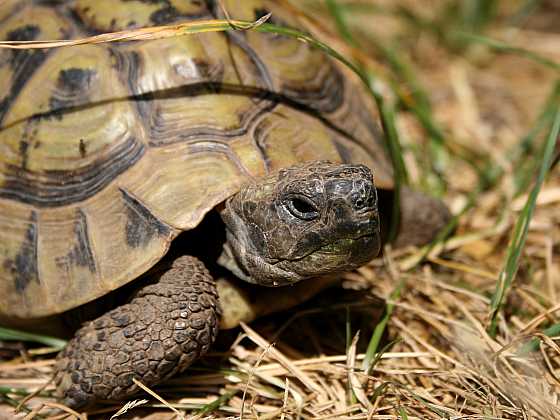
(350, 245)
(343, 254)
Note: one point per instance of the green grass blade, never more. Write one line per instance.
(402, 413)
(400, 173)
(533, 345)
(217, 403)
(371, 352)
(432, 407)
(387, 114)
(364, 8)
(414, 98)
(523, 155)
(9, 401)
(15, 391)
(337, 13)
(404, 70)
(348, 325)
(420, 23)
(8, 334)
(377, 392)
(308, 39)
(489, 173)
(507, 48)
(367, 79)
(380, 354)
(4, 397)
(521, 229)
(526, 9)
(476, 14)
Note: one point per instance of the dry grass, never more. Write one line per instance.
(444, 363)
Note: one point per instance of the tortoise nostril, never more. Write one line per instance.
(364, 202)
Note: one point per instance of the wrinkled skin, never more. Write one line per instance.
(305, 221)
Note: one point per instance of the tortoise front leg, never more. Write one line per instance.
(164, 328)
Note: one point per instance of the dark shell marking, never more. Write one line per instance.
(24, 265)
(24, 64)
(141, 224)
(81, 254)
(61, 188)
(72, 89)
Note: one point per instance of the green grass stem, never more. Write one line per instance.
(533, 344)
(504, 47)
(402, 413)
(521, 229)
(8, 334)
(372, 353)
(387, 113)
(524, 11)
(414, 97)
(217, 403)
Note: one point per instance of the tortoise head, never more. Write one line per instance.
(304, 221)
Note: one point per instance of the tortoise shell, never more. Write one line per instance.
(109, 151)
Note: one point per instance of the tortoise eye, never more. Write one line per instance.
(302, 208)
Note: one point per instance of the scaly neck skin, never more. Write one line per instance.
(228, 258)
(246, 260)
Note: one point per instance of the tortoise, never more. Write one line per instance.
(254, 143)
